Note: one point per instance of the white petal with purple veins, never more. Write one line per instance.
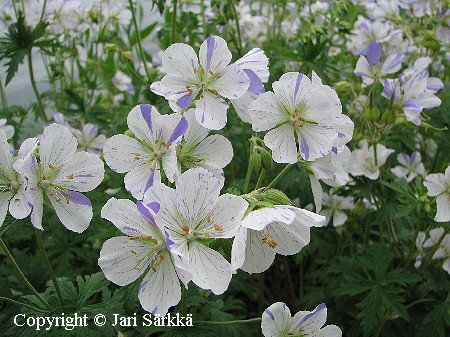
(211, 111)
(214, 54)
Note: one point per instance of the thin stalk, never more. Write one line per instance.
(43, 10)
(138, 38)
(261, 177)
(21, 275)
(47, 264)
(241, 321)
(22, 304)
(413, 245)
(434, 250)
(3, 96)
(288, 275)
(184, 297)
(174, 21)
(238, 29)
(280, 175)
(33, 84)
(202, 8)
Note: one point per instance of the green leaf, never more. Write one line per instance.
(89, 285)
(13, 64)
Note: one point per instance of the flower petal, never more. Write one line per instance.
(57, 146)
(276, 319)
(210, 270)
(123, 260)
(435, 183)
(266, 113)
(160, 289)
(120, 152)
(256, 61)
(211, 111)
(19, 207)
(83, 173)
(316, 141)
(281, 141)
(258, 256)
(443, 208)
(215, 149)
(73, 209)
(233, 82)
(260, 218)
(214, 54)
(180, 59)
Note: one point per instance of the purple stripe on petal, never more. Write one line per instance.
(304, 319)
(30, 204)
(146, 110)
(268, 312)
(341, 135)
(184, 101)
(395, 62)
(149, 181)
(78, 198)
(87, 175)
(93, 131)
(334, 150)
(304, 148)
(128, 228)
(413, 157)
(33, 163)
(145, 212)
(154, 311)
(256, 86)
(297, 84)
(154, 206)
(412, 104)
(405, 157)
(214, 140)
(210, 44)
(142, 286)
(180, 130)
(169, 242)
(373, 53)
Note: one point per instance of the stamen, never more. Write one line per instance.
(185, 229)
(70, 176)
(161, 259)
(218, 228)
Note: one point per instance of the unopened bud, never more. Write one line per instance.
(266, 159)
(276, 197)
(343, 88)
(110, 49)
(388, 116)
(255, 162)
(372, 114)
(128, 55)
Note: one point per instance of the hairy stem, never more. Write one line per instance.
(33, 84)
(174, 21)
(280, 175)
(138, 38)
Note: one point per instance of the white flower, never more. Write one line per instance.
(412, 166)
(298, 107)
(206, 82)
(152, 149)
(334, 205)
(7, 129)
(277, 322)
(12, 186)
(192, 213)
(443, 252)
(197, 149)
(60, 175)
(362, 162)
(123, 82)
(89, 140)
(124, 258)
(438, 186)
(269, 231)
(370, 69)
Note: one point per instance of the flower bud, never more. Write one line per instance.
(343, 88)
(276, 197)
(372, 114)
(110, 49)
(388, 116)
(266, 159)
(255, 162)
(128, 55)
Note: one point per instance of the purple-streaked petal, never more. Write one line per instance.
(373, 53)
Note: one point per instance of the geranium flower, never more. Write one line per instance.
(59, 175)
(123, 82)
(268, 231)
(362, 162)
(370, 69)
(152, 149)
(89, 140)
(7, 129)
(411, 166)
(205, 82)
(194, 213)
(197, 149)
(334, 206)
(438, 186)
(143, 250)
(278, 322)
(12, 187)
(298, 107)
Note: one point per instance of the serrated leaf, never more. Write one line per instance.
(89, 285)
(13, 64)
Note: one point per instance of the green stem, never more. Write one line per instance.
(261, 177)
(21, 275)
(174, 21)
(288, 275)
(138, 38)
(247, 177)
(184, 297)
(33, 84)
(205, 29)
(138, 76)
(238, 29)
(413, 245)
(261, 293)
(22, 304)
(380, 328)
(3, 96)
(47, 264)
(422, 300)
(257, 319)
(280, 175)
(43, 11)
